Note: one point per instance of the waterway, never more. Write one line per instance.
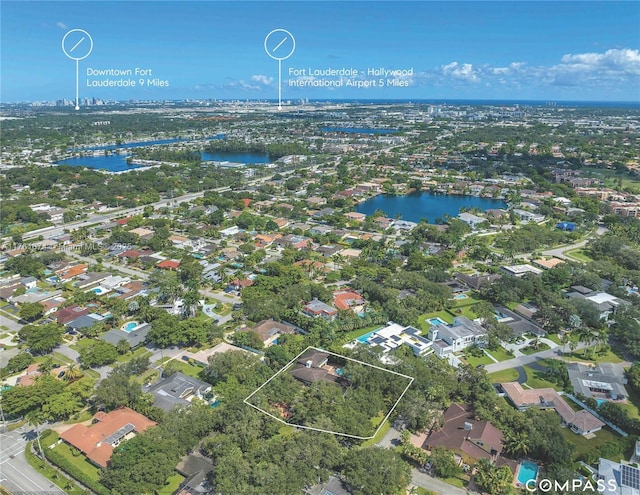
(118, 162)
(416, 206)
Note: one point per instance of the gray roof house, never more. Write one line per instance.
(605, 381)
(136, 337)
(178, 390)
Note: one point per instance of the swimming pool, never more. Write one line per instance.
(363, 338)
(601, 401)
(460, 296)
(129, 326)
(528, 471)
(99, 290)
(436, 321)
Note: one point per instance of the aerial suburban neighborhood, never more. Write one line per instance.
(321, 297)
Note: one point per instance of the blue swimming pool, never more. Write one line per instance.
(363, 338)
(528, 471)
(460, 296)
(601, 401)
(436, 321)
(128, 327)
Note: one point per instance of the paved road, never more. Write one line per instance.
(9, 321)
(531, 358)
(419, 478)
(16, 475)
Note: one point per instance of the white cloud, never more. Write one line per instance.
(615, 69)
(265, 80)
(464, 72)
(61, 25)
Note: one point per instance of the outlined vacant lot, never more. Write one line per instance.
(327, 392)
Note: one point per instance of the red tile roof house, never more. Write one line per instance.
(348, 299)
(168, 265)
(98, 440)
(318, 309)
(65, 315)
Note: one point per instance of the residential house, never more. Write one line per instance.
(453, 338)
(476, 281)
(581, 422)
(312, 367)
(65, 315)
(135, 337)
(348, 299)
(466, 435)
(84, 321)
(354, 216)
(603, 381)
(471, 220)
(620, 478)
(604, 302)
(107, 431)
(178, 390)
(169, 265)
(520, 270)
(394, 335)
(29, 282)
(268, 331)
(318, 309)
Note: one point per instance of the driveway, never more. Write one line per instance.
(419, 478)
(531, 358)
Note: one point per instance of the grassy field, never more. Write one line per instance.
(477, 361)
(139, 352)
(509, 375)
(578, 255)
(79, 461)
(51, 473)
(500, 354)
(583, 445)
(530, 350)
(535, 379)
(173, 483)
(354, 334)
(186, 368)
(586, 355)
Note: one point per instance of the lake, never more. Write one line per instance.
(415, 206)
(118, 163)
(112, 163)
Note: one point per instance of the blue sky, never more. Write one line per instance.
(543, 50)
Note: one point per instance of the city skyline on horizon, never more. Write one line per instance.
(513, 51)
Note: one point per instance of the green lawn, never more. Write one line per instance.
(51, 473)
(500, 354)
(82, 343)
(354, 334)
(79, 461)
(583, 445)
(173, 483)
(186, 368)
(586, 355)
(553, 337)
(509, 375)
(139, 352)
(530, 350)
(535, 379)
(578, 255)
(477, 361)
(460, 481)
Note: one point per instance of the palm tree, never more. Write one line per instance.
(35, 419)
(72, 373)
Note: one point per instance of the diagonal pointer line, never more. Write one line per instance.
(83, 38)
(278, 46)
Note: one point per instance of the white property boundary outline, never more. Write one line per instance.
(286, 366)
